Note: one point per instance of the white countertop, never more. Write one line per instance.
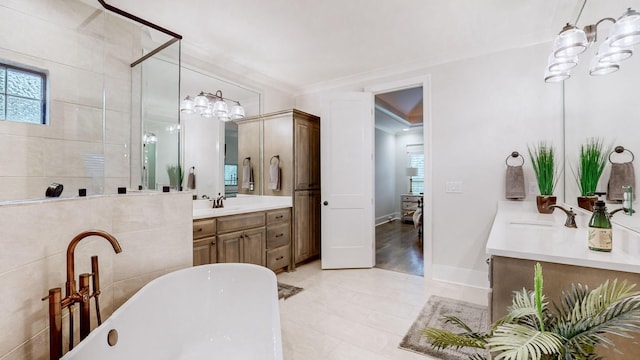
(519, 231)
(240, 205)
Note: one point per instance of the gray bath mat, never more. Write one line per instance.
(287, 291)
(432, 316)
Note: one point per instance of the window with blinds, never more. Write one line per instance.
(415, 157)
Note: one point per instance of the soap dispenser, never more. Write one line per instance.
(600, 234)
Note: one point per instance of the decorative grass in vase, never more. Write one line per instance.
(543, 161)
(175, 175)
(591, 163)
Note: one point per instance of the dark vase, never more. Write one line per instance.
(587, 202)
(543, 202)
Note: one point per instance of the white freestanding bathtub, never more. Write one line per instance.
(218, 311)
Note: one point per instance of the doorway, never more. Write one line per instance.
(399, 179)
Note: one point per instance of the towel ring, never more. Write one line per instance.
(514, 154)
(192, 170)
(244, 162)
(620, 149)
(277, 157)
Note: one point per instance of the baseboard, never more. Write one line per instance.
(387, 218)
(460, 276)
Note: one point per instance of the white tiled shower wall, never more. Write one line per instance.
(153, 229)
(87, 54)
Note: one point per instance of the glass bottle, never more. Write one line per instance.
(600, 235)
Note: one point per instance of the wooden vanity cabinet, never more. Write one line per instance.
(307, 225)
(204, 242)
(279, 239)
(242, 238)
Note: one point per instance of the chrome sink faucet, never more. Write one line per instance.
(571, 216)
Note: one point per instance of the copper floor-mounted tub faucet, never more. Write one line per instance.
(72, 296)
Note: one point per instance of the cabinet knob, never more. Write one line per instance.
(325, 203)
(279, 235)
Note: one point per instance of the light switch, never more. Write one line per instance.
(454, 186)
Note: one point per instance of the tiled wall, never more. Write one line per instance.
(153, 229)
(87, 54)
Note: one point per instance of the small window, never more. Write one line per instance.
(22, 94)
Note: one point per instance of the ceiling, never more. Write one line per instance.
(302, 45)
(400, 110)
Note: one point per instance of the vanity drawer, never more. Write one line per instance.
(240, 222)
(406, 198)
(203, 228)
(278, 235)
(278, 258)
(274, 216)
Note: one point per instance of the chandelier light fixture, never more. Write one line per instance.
(212, 105)
(572, 41)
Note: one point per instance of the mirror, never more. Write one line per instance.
(602, 106)
(157, 97)
(210, 145)
(89, 134)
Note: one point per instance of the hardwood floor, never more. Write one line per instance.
(398, 248)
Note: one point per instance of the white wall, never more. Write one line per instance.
(482, 109)
(385, 184)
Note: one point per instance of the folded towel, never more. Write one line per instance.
(191, 179)
(247, 175)
(274, 176)
(514, 184)
(621, 174)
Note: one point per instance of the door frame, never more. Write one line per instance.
(427, 210)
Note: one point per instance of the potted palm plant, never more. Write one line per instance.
(591, 163)
(532, 331)
(543, 161)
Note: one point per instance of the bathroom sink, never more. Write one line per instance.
(535, 222)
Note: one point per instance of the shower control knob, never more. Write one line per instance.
(325, 203)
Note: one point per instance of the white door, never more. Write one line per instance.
(347, 181)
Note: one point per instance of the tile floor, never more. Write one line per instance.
(356, 314)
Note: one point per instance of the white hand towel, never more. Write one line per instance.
(274, 176)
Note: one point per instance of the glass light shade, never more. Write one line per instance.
(556, 76)
(610, 54)
(570, 42)
(200, 102)
(561, 64)
(237, 112)
(626, 31)
(598, 68)
(224, 117)
(186, 106)
(208, 111)
(220, 109)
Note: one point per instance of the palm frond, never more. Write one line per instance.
(442, 339)
(587, 318)
(519, 342)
